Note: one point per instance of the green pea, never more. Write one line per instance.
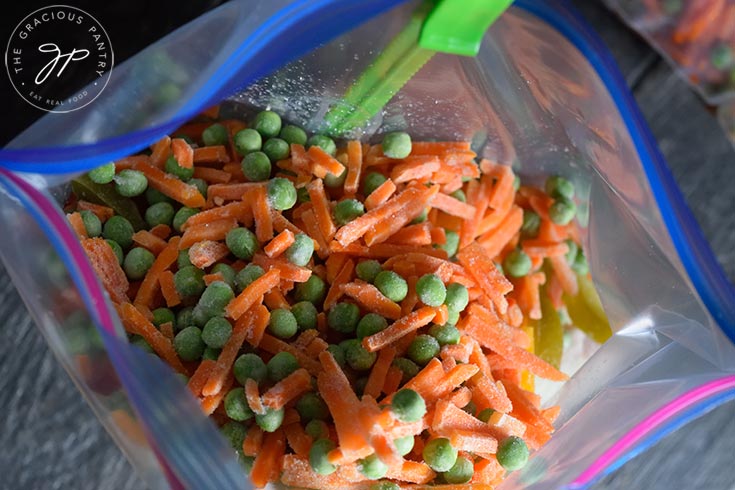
(212, 303)
(372, 181)
(242, 243)
(512, 453)
(250, 366)
(372, 467)
(338, 353)
(276, 149)
(393, 286)
(92, 224)
(234, 433)
(216, 332)
(333, 181)
(431, 290)
(282, 324)
(408, 406)
(517, 263)
(188, 344)
(458, 297)
(301, 250)
(721, 56)
(313, 290)
(557, 187)
(281, 365)
(439, 454)
(247, 141)
(184, 317)
(385, 485)
(141, 343)
(271, 420)
(293, 135)
(324, 142)
(246, 463)
(117, 249)
(459, 195)
(137, 262)
(267, 123)
(318, 457)
(445, 334)
(407, 367)
(236, 405)
(182, 215)
(423, 349)
(227, 272)
(247, 275)
(211, 353)
(357, 357)
(343, 317)
(397, 145)
(451, 245)
(256, 166)
(367, 270)
(189, 281)
(119, 230)
(347, 210)
(580, 265)
(214, 135)
(302, 195)
(516, 182)
(461, 472)
(404, 445)
(182, 173)
(154, 196)
(370, 324)
(281, 194)
(183, 259)
(562, 211)
(572, 252)
(161, 213)
(305, 314)
(163, 315)
(452, 318)
(531, 224)
(317, 429)
(102, 174)
(420, 218)
(311, 407)
(485, 414)
(130, 183)
(200, 184)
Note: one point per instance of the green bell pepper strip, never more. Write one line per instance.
(105, 194)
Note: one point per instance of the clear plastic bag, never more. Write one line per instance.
(697, 37)
(543, 96)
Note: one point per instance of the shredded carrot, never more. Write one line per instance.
(287, 389)
(253, 441)
(254, 330)
(166, 280)
(167, 329)
(298, 439)
(262, 215)
(322, 211)
(268, 461)
(273, 345)
(213, 231)
(354, 167)
(212, 402)
(378, 374)
(415, 168)
(164, 260)
(279, 244)
(438, 147)
(210, 154)
(453, 206)
(77, 224)
(207, 252)
(135, 322)
(186, 194)
(370, 298)
(478, 263)
(183, 153)
(149, 241)
(380, 195)
(252, 395)
(287, 270)
(495, 240)
(105, 264)
(250, 295)
(200, 376)
(398, 329)
(102, 212)
(565, 274)
(212, 175)
(274, 299)
(322, 163)
(418, 234)
(335, 290)
(160, 151)
(161, 231)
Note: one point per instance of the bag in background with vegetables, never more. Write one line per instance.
(542, 96)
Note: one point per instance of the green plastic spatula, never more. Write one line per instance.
(448, 26)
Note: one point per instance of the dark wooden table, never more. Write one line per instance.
(51, 440)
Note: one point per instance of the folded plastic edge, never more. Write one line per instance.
(65, 244)
(272, 32)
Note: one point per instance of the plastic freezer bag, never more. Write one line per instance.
(543, 96)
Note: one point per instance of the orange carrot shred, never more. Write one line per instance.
(453, 206)
(102, 212)
(212, 175)
(160, 151)
(478, 263)
(253, 441)
(250, 295)
(262, 215)
(287, 389)
(412, 321)
(164, 260)
(211, 154)
(213, 231)
(228, 354)
(200, 376)
(321, 209)
(252, 395)
(298, 439)
(77, 224)
(354, 166)
(287, 270)
(415, 168)
(210, 403)
(322, 163)
(183, 153)
(168, 289)
(335, 290)
(207, 252)
(108, 270)
(268, 462)
(378, 374)
(161, 231)
(149, 241)
(370, 298)
(380, 195)
(135, 322)
(279, 244)
(171, 186)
